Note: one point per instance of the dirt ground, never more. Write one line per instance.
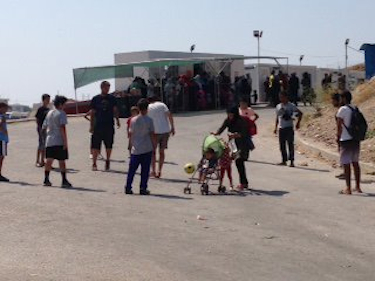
(321, 126)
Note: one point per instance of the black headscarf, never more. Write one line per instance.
(234, 110)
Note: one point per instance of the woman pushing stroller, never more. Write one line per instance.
(238, 129)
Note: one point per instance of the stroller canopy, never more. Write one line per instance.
(214, 143)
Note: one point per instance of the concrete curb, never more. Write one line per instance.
(328, 154)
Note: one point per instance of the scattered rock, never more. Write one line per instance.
(270, 237)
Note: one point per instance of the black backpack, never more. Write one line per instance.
(358, 125)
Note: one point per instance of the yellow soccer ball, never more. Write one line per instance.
(189, 168)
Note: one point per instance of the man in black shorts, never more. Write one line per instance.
(103, 112)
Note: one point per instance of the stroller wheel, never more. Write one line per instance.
(204, 189)
(222, 189)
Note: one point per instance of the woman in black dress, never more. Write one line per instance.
(238, 129)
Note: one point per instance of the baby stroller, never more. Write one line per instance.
(210, 168)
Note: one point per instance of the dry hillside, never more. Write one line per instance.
(321, 125)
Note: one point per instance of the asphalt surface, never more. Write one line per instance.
(294, 226)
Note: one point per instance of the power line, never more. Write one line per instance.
(354, 49)
(295, 55)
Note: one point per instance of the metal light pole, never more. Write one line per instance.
(192, 48)
(346, 62)
(258, 34)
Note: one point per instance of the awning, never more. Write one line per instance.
(87, 75)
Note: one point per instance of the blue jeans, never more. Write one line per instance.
(135, 160)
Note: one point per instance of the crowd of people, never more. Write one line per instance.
(282, 82)
(149, 129)
(151, 125)
(187, 92)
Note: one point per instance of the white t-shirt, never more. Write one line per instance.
(158, 112)
(345, 113)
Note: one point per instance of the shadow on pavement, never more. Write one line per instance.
(238, 194)
(69, 171)
(84, 189)
(367, 181)
(275, 193)
(253, 192)
(117, 161)
(298, 168)
(77, 189)
(175, 197)
(171, 180)
(21, 183)
(364, 195)
(119, 172)
(170, 163)
(112, 160)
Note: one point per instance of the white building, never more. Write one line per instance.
(233, 69)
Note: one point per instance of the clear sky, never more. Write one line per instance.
(43, 40)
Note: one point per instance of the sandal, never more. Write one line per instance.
(345, 192)
(94, 168)
(240, 187)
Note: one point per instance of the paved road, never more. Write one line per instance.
(294, 227)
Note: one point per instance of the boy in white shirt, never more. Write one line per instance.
(349, 148)
(164, 127)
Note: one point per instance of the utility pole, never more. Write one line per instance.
(346, 62)
(258, 34)
(301, 59)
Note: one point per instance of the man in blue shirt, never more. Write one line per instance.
(103, 112)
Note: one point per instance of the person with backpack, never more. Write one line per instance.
(351, 130)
